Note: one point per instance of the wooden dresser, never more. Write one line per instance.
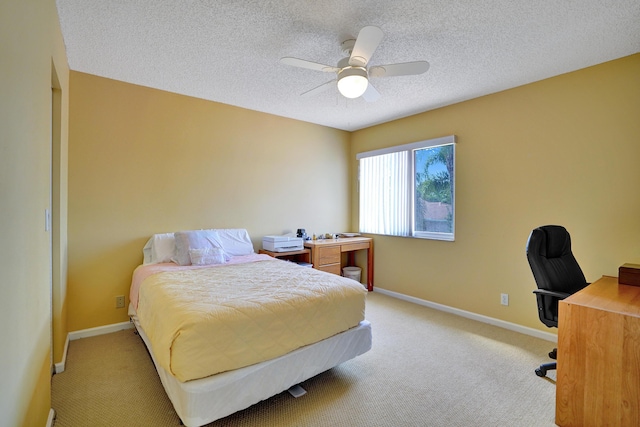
(326, 255)
(598, 379)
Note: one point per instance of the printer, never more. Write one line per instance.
(282, 243)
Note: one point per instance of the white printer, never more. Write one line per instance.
(282, 243)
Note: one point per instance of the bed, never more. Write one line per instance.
(227, 328)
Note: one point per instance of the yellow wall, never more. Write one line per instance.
(144, 161)
(564, 150)
(31, 48)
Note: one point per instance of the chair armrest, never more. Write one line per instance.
(559, 295)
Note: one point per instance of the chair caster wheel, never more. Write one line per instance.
(553, 354)
(541, 372)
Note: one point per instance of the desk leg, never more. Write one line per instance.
(370, 268)
(351, 258)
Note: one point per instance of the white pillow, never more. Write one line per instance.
(235, 241)
(163, 247)
(146, 251)
(207, 256)
(159, 248)
(194, 239)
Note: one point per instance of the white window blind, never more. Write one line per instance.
(384, 196)
(408, 190)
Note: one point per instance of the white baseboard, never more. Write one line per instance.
(51, 417)
(100, 330)
(473, 316)
(59, 367)
(85, 333)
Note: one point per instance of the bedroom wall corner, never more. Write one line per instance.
(59, 196)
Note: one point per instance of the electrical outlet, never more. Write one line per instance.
(120, 301)
(504, 299)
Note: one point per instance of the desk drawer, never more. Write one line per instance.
(355, 246)
(328, 255)
(333, 268)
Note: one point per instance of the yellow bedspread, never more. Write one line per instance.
(205, 321)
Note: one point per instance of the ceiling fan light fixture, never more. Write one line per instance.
(352, 81)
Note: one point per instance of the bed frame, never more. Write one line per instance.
(202, 401)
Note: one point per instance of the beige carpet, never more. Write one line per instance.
(426, 368)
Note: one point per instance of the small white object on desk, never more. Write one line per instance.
(349, 234)
(282, 243)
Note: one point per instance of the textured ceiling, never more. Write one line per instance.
(229, 50)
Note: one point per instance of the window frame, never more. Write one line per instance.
(411, 177)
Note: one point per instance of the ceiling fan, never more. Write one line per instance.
(352, 71)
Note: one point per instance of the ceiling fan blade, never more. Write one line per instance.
(318, 89)
(302, 63)
(371, 94)
(404, 69)
(367, 42)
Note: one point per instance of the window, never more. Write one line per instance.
(408, 190)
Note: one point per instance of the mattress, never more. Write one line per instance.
(204, 321)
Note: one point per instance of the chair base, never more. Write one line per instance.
(542, 370)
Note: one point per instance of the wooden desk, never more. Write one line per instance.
(326, 254)
(598, 378)
(303, 255)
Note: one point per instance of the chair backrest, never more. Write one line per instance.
(554, 267)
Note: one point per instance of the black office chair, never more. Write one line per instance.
(557, 275)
